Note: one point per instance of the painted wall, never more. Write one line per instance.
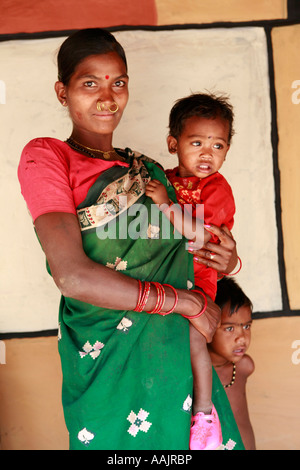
(169, 61)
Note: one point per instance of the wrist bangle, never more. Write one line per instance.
(143, 296)
(175, 303)
(236, 272)
(201, 311)
(160, 298)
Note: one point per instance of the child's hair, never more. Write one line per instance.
(81, 44)
(230, 292)
(206, 105)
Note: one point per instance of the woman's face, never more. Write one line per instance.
(97, 78)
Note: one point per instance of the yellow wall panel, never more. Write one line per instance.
(202, 11)
(286, 42)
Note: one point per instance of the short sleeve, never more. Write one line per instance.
(43, 173)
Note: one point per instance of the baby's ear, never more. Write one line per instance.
(172, 144)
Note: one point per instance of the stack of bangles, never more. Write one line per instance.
(144, 292)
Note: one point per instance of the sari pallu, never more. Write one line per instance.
(127, 379)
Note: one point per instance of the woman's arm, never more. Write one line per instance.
(78, 277)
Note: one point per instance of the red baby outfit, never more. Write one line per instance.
(219, 208)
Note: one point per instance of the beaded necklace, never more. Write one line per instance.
(89, 151)
(233, 377)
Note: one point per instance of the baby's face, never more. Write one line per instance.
(232, 338)
(202, 146)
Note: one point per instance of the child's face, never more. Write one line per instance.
(232, 338)
(201, 147)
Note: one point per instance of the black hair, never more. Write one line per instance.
(206, 105)
(229, 291)
(82, 44)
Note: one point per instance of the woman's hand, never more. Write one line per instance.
(222, 257)
(209, 321)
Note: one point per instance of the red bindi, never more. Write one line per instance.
(107, 77)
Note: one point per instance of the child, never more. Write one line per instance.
(201, 127)
(228, 352)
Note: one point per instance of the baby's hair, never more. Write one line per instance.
(230, 292)
(84, 43)
(206, 105)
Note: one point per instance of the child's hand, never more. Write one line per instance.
(158, 192)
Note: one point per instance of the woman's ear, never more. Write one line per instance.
(61, 93)
(172, 144)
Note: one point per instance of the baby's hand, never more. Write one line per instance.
(158, 192)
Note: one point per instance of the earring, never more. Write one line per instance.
(64, 103)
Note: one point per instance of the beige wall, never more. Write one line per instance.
(31, 416)
(286, 42)
(203, 11)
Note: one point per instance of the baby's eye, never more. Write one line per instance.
(196, 144)
(218, 146)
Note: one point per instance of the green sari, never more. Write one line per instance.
(127, 379)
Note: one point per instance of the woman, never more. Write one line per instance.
(127, 379)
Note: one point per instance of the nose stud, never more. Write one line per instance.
(112, 109)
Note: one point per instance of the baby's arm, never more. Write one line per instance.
(190, 227)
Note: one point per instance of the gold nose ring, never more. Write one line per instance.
(112, 109)
(116, 107)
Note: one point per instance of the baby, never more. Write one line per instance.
(201, 127)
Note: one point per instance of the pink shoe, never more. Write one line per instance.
(206, 431)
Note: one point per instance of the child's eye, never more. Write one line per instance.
(218, 146)
(90, 84)
(247, 327)
(229, 328)
(196, 144)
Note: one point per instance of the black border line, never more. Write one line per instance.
(276, 174)
(267, 25)
(290, 21)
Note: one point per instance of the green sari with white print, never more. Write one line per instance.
(127, 378)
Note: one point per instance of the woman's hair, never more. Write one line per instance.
(206, 105)
(82, 44)
(229, 292)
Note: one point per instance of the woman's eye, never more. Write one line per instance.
(120, 83)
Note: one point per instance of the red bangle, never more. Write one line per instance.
(201, 311)
(160, 298)
(140, 296)
(143, 297)
(233, 274)
(175, 303)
